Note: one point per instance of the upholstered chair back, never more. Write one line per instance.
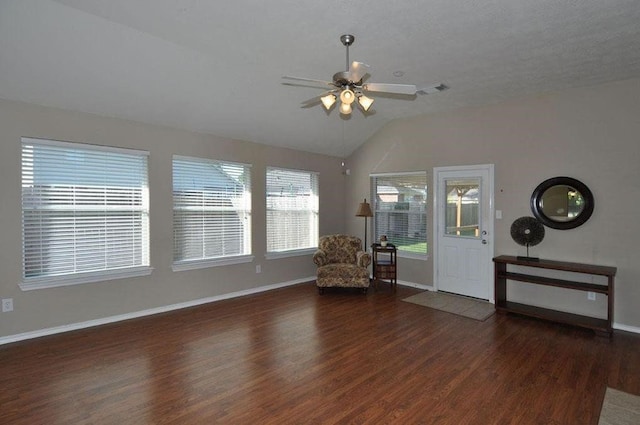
(340, 248)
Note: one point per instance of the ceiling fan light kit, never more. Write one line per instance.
(365, 102)
(349, 86)
(328, 100)
(345, 108)
(347, 96)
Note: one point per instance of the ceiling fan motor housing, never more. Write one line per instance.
(347, 39)
(341, 79)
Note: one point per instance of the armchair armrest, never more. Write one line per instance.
(363, 259)
(320, 258)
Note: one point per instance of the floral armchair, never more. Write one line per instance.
(341, 263)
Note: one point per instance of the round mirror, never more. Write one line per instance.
(562, 203)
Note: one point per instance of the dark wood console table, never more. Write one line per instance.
(601, 326)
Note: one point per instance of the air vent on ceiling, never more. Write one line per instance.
(432, 89)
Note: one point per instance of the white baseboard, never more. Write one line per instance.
(621, 327)
(616, 326)
(416, 285)
(112, 319)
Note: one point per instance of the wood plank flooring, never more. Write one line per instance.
(290, 356)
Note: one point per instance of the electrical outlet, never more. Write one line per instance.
(591, 296)
(7, 305)
(258, 268)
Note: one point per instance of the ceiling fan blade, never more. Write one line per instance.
(308, 80)
(391, 88)
(302, 84)
(310, 103)
(357, 71)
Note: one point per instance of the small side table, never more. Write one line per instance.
(385, 264)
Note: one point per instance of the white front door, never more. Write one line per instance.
(463, 219)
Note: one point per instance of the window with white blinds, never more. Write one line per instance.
(85, 213)
(292, 210)
(211, 212)
(400, 211)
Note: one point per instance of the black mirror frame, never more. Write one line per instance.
(536, 199)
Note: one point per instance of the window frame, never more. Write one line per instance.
(213, 261)
(314, 211)
(375, 207)
(80, 277)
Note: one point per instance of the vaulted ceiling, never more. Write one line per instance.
(216, 67)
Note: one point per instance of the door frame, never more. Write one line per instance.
(490, 222)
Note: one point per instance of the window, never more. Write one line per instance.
(400, 211)
(292, 211)
(85, 213)
(211, 213)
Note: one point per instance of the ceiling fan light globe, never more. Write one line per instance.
(328, 101)
(345, 108)
(347, 96)
(365, 102)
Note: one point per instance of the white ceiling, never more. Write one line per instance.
(216, 66)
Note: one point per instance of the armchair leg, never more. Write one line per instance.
(320, 290)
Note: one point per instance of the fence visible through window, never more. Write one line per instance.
(462, 215)
(400, 210)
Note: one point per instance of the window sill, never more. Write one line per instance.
(212, 262)
(412, 256)
(80, 278)
(291, 253)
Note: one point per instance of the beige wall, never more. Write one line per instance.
(592, 134)
(46, 308)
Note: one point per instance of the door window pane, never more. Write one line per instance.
(462, 215)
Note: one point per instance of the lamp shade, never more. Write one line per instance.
(328, 100)
(347, 96)
(365, 102)
(345, 108)
(364, 209)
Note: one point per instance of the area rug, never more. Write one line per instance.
(462, 306)
(619, 408)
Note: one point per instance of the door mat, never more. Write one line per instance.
(462, 306)
(619, 408)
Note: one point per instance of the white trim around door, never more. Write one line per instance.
(463, 252)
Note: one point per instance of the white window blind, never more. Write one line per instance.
(292, 210)
(211, 209)
(85, 211)
(400, 205)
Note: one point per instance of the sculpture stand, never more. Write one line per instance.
(527, 258)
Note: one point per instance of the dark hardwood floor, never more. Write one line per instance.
(290, 356)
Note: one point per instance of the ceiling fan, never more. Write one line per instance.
(349, 86)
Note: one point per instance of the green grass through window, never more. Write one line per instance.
(413, 245)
